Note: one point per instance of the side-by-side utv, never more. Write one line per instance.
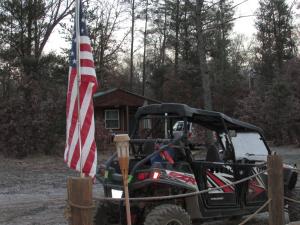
(224, 150)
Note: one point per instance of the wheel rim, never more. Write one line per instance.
(174, 222)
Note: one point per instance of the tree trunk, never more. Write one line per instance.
(145, 48)
(132, 41)
(163, 48)
(222, 55)
(36, 35)
(177, 24)
(29, 28)
(203, 68)
(186, 48)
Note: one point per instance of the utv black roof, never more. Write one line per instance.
(210, 119)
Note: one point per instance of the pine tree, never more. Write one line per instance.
(224, 80)
(274, 37)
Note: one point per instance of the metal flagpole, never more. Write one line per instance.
(77, 32)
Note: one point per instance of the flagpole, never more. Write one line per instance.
(77, 31)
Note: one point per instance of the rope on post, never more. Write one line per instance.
(181, 195)
(81, 206)
(291, 200)
(256, 212)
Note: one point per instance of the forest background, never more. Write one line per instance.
(170, 50)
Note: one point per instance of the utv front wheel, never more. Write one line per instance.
(293, 207)
(168, 215)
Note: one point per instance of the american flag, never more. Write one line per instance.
(87, 87)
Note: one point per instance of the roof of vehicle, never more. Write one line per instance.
(210, 119)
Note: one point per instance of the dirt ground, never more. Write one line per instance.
(33, 190)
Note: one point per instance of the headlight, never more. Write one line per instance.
(116, 193)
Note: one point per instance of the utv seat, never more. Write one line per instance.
(212, 154)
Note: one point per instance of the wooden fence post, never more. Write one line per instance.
(275, 190)
(80, 196)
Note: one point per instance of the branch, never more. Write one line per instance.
(67, 11)
(232, 7)
(227, 21)
(119, 45)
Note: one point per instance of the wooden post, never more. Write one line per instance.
(122, 145)
(80, 198)
(127, 204)
(275, 190)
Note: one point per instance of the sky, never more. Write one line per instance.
(245, 25)
(241, 26)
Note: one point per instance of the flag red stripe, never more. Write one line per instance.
(70, 134)
(86, 63)
(75, 114)
(85, 48)
(83, 89)
(73, 124)
(87, 123)
(75, 156)
(84, 132)
(89, 78)
(71, 83)
(91, 157)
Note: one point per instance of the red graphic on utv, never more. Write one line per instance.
(218, 182)
(184, 178)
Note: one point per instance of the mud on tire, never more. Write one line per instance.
(294, 208)
(168, 214)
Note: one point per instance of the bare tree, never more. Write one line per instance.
(27, 25)
(105, 20)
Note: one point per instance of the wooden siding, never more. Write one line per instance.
(119, 99)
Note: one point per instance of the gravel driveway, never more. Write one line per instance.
(33, 190)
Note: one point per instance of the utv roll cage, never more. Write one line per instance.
(212, 120)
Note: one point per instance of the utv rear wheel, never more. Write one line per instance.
(293, 207)
(168, 215)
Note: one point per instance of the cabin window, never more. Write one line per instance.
(112, 119)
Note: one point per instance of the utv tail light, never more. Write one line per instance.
(146, 175)
(142, 176)
(156, 175)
